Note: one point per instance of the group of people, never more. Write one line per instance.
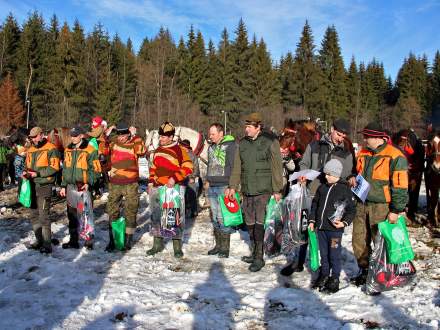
(258, 165)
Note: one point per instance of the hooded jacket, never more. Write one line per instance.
(221, 161)
(323, 205)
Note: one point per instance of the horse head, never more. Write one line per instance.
(434, 152)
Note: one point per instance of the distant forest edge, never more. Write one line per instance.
(65, 76)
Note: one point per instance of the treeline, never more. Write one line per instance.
(66, 76)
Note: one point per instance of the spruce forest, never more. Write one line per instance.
(66, 75)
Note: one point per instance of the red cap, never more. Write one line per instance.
(97, 120)
(231, 204)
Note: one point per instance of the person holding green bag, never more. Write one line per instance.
(258, 169)
(220, 161)
(170, 166)
(333, 209)
(41, 166)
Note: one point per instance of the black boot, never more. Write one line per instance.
(332, 285)
(320, 282)
(258, 262)
(111, 243)
(225, 241)
(291, 268)
(128, 242)
(38, 243)
(157, 246)
(89, 244)
(361, 278)
(216, 248)
(46, 248)
(73, 241)
(177, 247)
(250, 258)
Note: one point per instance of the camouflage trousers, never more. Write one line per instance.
(118, 196)
(157, 225)
(365, 229)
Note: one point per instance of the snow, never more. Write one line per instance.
(82, 289)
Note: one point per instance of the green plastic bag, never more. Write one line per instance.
(397, 242)
(313, 250)
(273, 211)
(169, 198)
(231, 218)
(25, 193)
(118, 229)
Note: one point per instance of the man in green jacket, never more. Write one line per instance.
(41, 166)
(81, 170)
(258, 169)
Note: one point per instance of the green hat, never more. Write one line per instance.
(253, 118)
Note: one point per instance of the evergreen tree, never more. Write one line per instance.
(213, 83)
(306, 78)
(9, 39)
(435, 83)
(285, 76)
(353, 94)
(11, 106)
(332, 66)
(227, 75)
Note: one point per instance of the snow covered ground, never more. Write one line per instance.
(81, 289)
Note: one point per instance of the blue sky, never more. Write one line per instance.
(386, 30)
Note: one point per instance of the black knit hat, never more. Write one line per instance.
(374, 129)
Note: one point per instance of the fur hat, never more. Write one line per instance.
(167, 129)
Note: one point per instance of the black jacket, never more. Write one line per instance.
(323, 205)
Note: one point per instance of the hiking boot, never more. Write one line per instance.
(361, 278)
(258, 262)
(216, 248)
(128, 242)
(225, 241)
(38, 243)
(250, 259)
(291, 268)
(320, 282)
(157, 246)
(177, 247)
(331, 286)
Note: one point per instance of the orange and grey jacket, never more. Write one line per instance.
(386, 170)
(44, 159)
(81, 164)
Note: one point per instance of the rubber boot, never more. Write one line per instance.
(225, 240)
(111, 243)
(128, 242)
(361, 278)
(291, 268)
(320, 282)
(216, 248)
(177, 247)
(73, 241)
(47, 240)
(38, 243)
(250, 258)
(258, 262)
(157, 246)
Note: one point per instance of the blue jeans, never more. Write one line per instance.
(330, 251)
(216, 213)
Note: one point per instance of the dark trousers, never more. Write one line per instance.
(2, 174)
(303, 251)
(330, 251)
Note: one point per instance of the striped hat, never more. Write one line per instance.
(374, 129)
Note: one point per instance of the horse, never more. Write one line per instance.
(301, 133)
(411, 146)
(432, 179)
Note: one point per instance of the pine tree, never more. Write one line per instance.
(306, 78)
(227, 75)
(213, 83)
(9, 39)
(332, 66)
(435, 83)
(285, 76)
(354, 94)
(11, 106)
